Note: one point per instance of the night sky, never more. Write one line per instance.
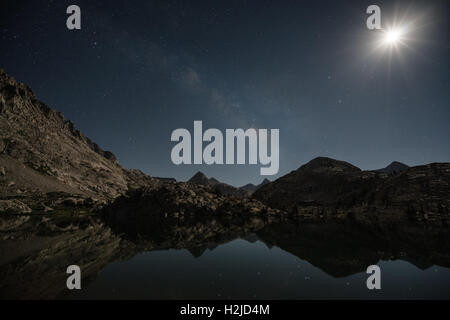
(137, 70)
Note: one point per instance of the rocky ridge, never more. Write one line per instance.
(250, 187)
(168, 201)
(42, 152)
(218, 187)
(325, 188)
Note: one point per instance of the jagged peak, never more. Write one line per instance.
(199, 178)
(10, 87)
(199, 174)
(12, 91)
(394, 166)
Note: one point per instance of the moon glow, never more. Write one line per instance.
(392, 36)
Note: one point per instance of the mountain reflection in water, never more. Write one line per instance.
(221, 257)
(254, 259)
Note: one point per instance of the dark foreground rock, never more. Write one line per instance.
(167, 201)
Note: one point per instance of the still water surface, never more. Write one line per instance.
(242, 269)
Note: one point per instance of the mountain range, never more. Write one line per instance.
(223, 188)
(252, 188)
(47, 164)
(327, 187)
(63, 198)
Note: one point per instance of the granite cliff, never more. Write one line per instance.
(41, 152)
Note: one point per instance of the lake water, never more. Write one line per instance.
(251, 269)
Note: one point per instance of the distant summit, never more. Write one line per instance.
(321, 164)
(394, 167)
(219, 187)
(223, 188)
(200, 178)
(323, 181)
(250, 187)
(331, 187)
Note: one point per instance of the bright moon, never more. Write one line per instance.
(392, 36)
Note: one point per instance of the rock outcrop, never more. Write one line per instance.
(148, 209)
